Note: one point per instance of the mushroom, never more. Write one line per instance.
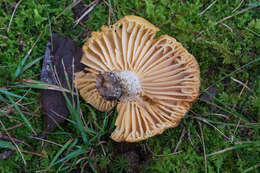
(153, 81)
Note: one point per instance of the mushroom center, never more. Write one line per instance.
(123, 85)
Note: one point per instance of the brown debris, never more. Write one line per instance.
(61, 51)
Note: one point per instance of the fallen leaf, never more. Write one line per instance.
(61, 50)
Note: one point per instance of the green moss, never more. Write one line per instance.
(219, 48)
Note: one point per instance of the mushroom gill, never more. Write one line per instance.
(152, 80)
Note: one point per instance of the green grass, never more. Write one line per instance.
(225, 49)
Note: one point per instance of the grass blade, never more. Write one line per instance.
(255, 4)
(2, 99)
(71, 155)
(32, 63)
(20, 67)
(60, 152)
(228, 110)
(237, 70)
(6, 144)
(9, 93)
(21, 114)
(92, 167)
(76, 115)
(252, 168)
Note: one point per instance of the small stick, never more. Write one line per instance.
(17, 125)
(45, 170)
(165, 155)
(110, 10)
(221, 151)
(95, 3)
(228, 27)
(190, 138)
(244, 86)
(6, 137)
(238, 6)
(180, 140)
(241, 83)
(33, 153)
(102, 147)
(205, 121)
(45, 140)
(78, 161)
(201, 13)
(13, 142)
(204, 149)
(229, 17)
(16, 6)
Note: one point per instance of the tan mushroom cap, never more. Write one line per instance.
(169, 77)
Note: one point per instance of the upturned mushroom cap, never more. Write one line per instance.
(158, 79)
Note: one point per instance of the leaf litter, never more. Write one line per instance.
(61, 51)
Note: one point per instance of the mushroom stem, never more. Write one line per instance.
(123, 85)
(108, 86)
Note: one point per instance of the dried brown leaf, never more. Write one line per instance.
(61, 50)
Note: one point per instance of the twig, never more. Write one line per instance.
(250, 93)
(80, 159)
(72, 5)
(205, 121)
(244, 86)
(164, 155)
(109, 16)
(180, 140)
(33, 153)
(201, 13)
(45, 170)
(243, 89)
(7, 137)
(217, 114)
(95, 3)
(241, 83)
(190, 138)
(229, 17)
(45, 140)
(221, 151)
(23, 96)
(228, 27)
(16, 6)
(238, 6)
(17, 125)
(85, 164)
(204, 149)
(13, 141)
(102, 147)
(110, 10)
